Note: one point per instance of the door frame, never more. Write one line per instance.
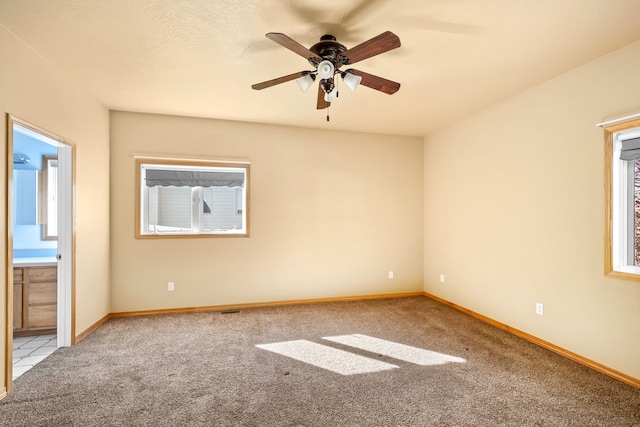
(66, 241)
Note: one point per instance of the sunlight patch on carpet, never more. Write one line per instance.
(402, 352)
(329, 358)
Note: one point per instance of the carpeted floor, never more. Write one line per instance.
(421, 363)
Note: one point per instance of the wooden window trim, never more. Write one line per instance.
(138, 224)
(609, 132)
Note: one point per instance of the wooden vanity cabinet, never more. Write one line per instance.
(17, 299)
(35, 291)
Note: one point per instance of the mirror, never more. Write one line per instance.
(48, 198)
(25, 187)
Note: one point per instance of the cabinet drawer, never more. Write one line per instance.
(42, 293)
(17, 275)
(42, 316)
(42, 274)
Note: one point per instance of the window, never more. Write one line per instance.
(48, 198)
(192, 199)
(622, 168)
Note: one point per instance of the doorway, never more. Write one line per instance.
(40, 241)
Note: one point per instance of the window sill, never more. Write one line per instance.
(622, 275)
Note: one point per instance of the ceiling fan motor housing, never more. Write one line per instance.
(331, 53)
(329, 49)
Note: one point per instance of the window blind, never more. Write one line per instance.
(182, 178)
(630, 149)
(170, 207)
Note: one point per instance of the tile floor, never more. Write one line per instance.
(28, 351)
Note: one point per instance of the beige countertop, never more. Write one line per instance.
(35, 262)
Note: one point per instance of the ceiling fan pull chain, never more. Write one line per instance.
(328, 113)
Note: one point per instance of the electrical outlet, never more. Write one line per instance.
(391, 274)
(442, 278)
(170, 286)
(539, 308)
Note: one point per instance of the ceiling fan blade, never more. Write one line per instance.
(378, 83)
(423, 23)
(321, 102)
(359, 11)
(269, 83)
(345, 26)
(292, 45)
(377, 45)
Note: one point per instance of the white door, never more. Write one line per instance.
(65, 252)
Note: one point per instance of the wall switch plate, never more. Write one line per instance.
(170, 286)
(391, 274)
(539, 308)
(442, 278)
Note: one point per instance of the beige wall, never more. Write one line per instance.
(515, 213)
(331, 214)
(33, 90)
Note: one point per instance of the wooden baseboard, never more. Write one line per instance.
(260, 305)
(92, 328)
(634, 382)
(3, 393)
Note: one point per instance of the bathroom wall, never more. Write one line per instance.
(27, 233)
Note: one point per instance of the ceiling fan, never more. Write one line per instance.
(327, 56)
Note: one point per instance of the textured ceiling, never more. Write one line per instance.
(200, 57)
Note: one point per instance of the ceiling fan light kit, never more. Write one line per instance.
(327, 56)
(351, 80)
(326, 69)
(331, 96)
(305, 82)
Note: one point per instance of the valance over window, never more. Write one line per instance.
(183, 178)
(630, 149)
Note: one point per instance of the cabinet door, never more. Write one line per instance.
(17, 306)
(17, 275)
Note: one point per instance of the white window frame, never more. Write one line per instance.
(197, 199)
(620, 230)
